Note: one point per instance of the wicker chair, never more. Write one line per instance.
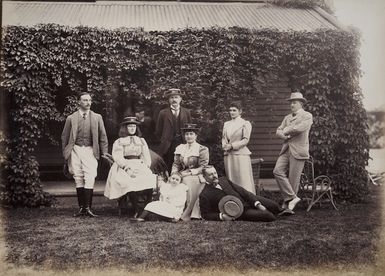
(315, 189)
(256, 166)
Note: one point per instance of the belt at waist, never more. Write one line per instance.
(131, 157)
(83, 145)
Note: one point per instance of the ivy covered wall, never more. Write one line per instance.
(46, 66)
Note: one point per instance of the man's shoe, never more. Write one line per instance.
(89, 213)
(293, 203)
(286, 212)
(284, 204)
(81, 212)
(137, 220)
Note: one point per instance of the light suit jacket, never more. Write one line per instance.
(99, 136)
(298, 128)
(238, 138)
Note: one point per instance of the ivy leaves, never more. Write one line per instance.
(212, 66)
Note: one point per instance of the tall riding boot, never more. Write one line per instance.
(88, 199)
(133, 197)
(81, 202)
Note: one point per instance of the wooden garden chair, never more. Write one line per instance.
(256, 166)
(315, 189)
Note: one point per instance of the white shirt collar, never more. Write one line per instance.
(298, 111)
(82, 112)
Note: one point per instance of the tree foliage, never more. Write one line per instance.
(213, 66)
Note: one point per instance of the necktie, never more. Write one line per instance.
(84, 115)
(294, 114)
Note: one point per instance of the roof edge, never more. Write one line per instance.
(333, 20)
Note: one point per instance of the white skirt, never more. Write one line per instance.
(164, 209)
(239, 171)
(120, 182)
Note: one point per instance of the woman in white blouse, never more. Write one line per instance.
(235, 137)
(189, 160)
(130, 172)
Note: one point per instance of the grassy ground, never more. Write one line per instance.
(52, 238)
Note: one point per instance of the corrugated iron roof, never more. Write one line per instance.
(163, 16)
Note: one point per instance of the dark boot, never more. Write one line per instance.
(141, 218)
(88, 199)
(81, 202)
(133, 197)
(147, 196)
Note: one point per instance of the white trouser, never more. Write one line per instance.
(83, 165)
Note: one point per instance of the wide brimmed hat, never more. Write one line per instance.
(172, 92)
(190, 127)
(231, 205)
(130, 120)
(297, 96)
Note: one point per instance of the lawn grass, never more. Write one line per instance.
(323, 238)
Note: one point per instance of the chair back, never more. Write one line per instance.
(307, 176)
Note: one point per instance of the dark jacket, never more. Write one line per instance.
(210, 197)
(165, 127)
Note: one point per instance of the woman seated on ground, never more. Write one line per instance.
(130, 172)
(189, 160)
(171, 202)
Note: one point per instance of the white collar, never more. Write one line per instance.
(184, 148)
(87, 112)
(298, 111)
(175, 108)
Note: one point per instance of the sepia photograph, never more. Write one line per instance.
(192, 137)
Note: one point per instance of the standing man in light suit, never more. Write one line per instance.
(294, 130)
(83, 138)
(168, 126)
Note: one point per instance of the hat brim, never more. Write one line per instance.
(297, 99)
(189, 129)
(224, 210)
(129, 123)
(168, 95)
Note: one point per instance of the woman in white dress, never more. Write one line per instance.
(235, 137)
(189, 160)
(130, 172)
(171, 201)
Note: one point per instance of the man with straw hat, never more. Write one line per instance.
(294, 130)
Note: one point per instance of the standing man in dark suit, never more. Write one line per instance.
(83, 138)
(294, 131)
(169, 123)
(255, 208)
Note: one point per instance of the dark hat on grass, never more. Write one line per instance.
(231, 205)
(130, 120)
(172, 92)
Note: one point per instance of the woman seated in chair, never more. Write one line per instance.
(171, 202)
(189, 160)
(130, 172)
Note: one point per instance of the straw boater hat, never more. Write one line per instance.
(297, 96)
(172, 92)
(231, 205)
(190, 127)
(130, 120)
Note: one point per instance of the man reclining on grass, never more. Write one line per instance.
(221, 199)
